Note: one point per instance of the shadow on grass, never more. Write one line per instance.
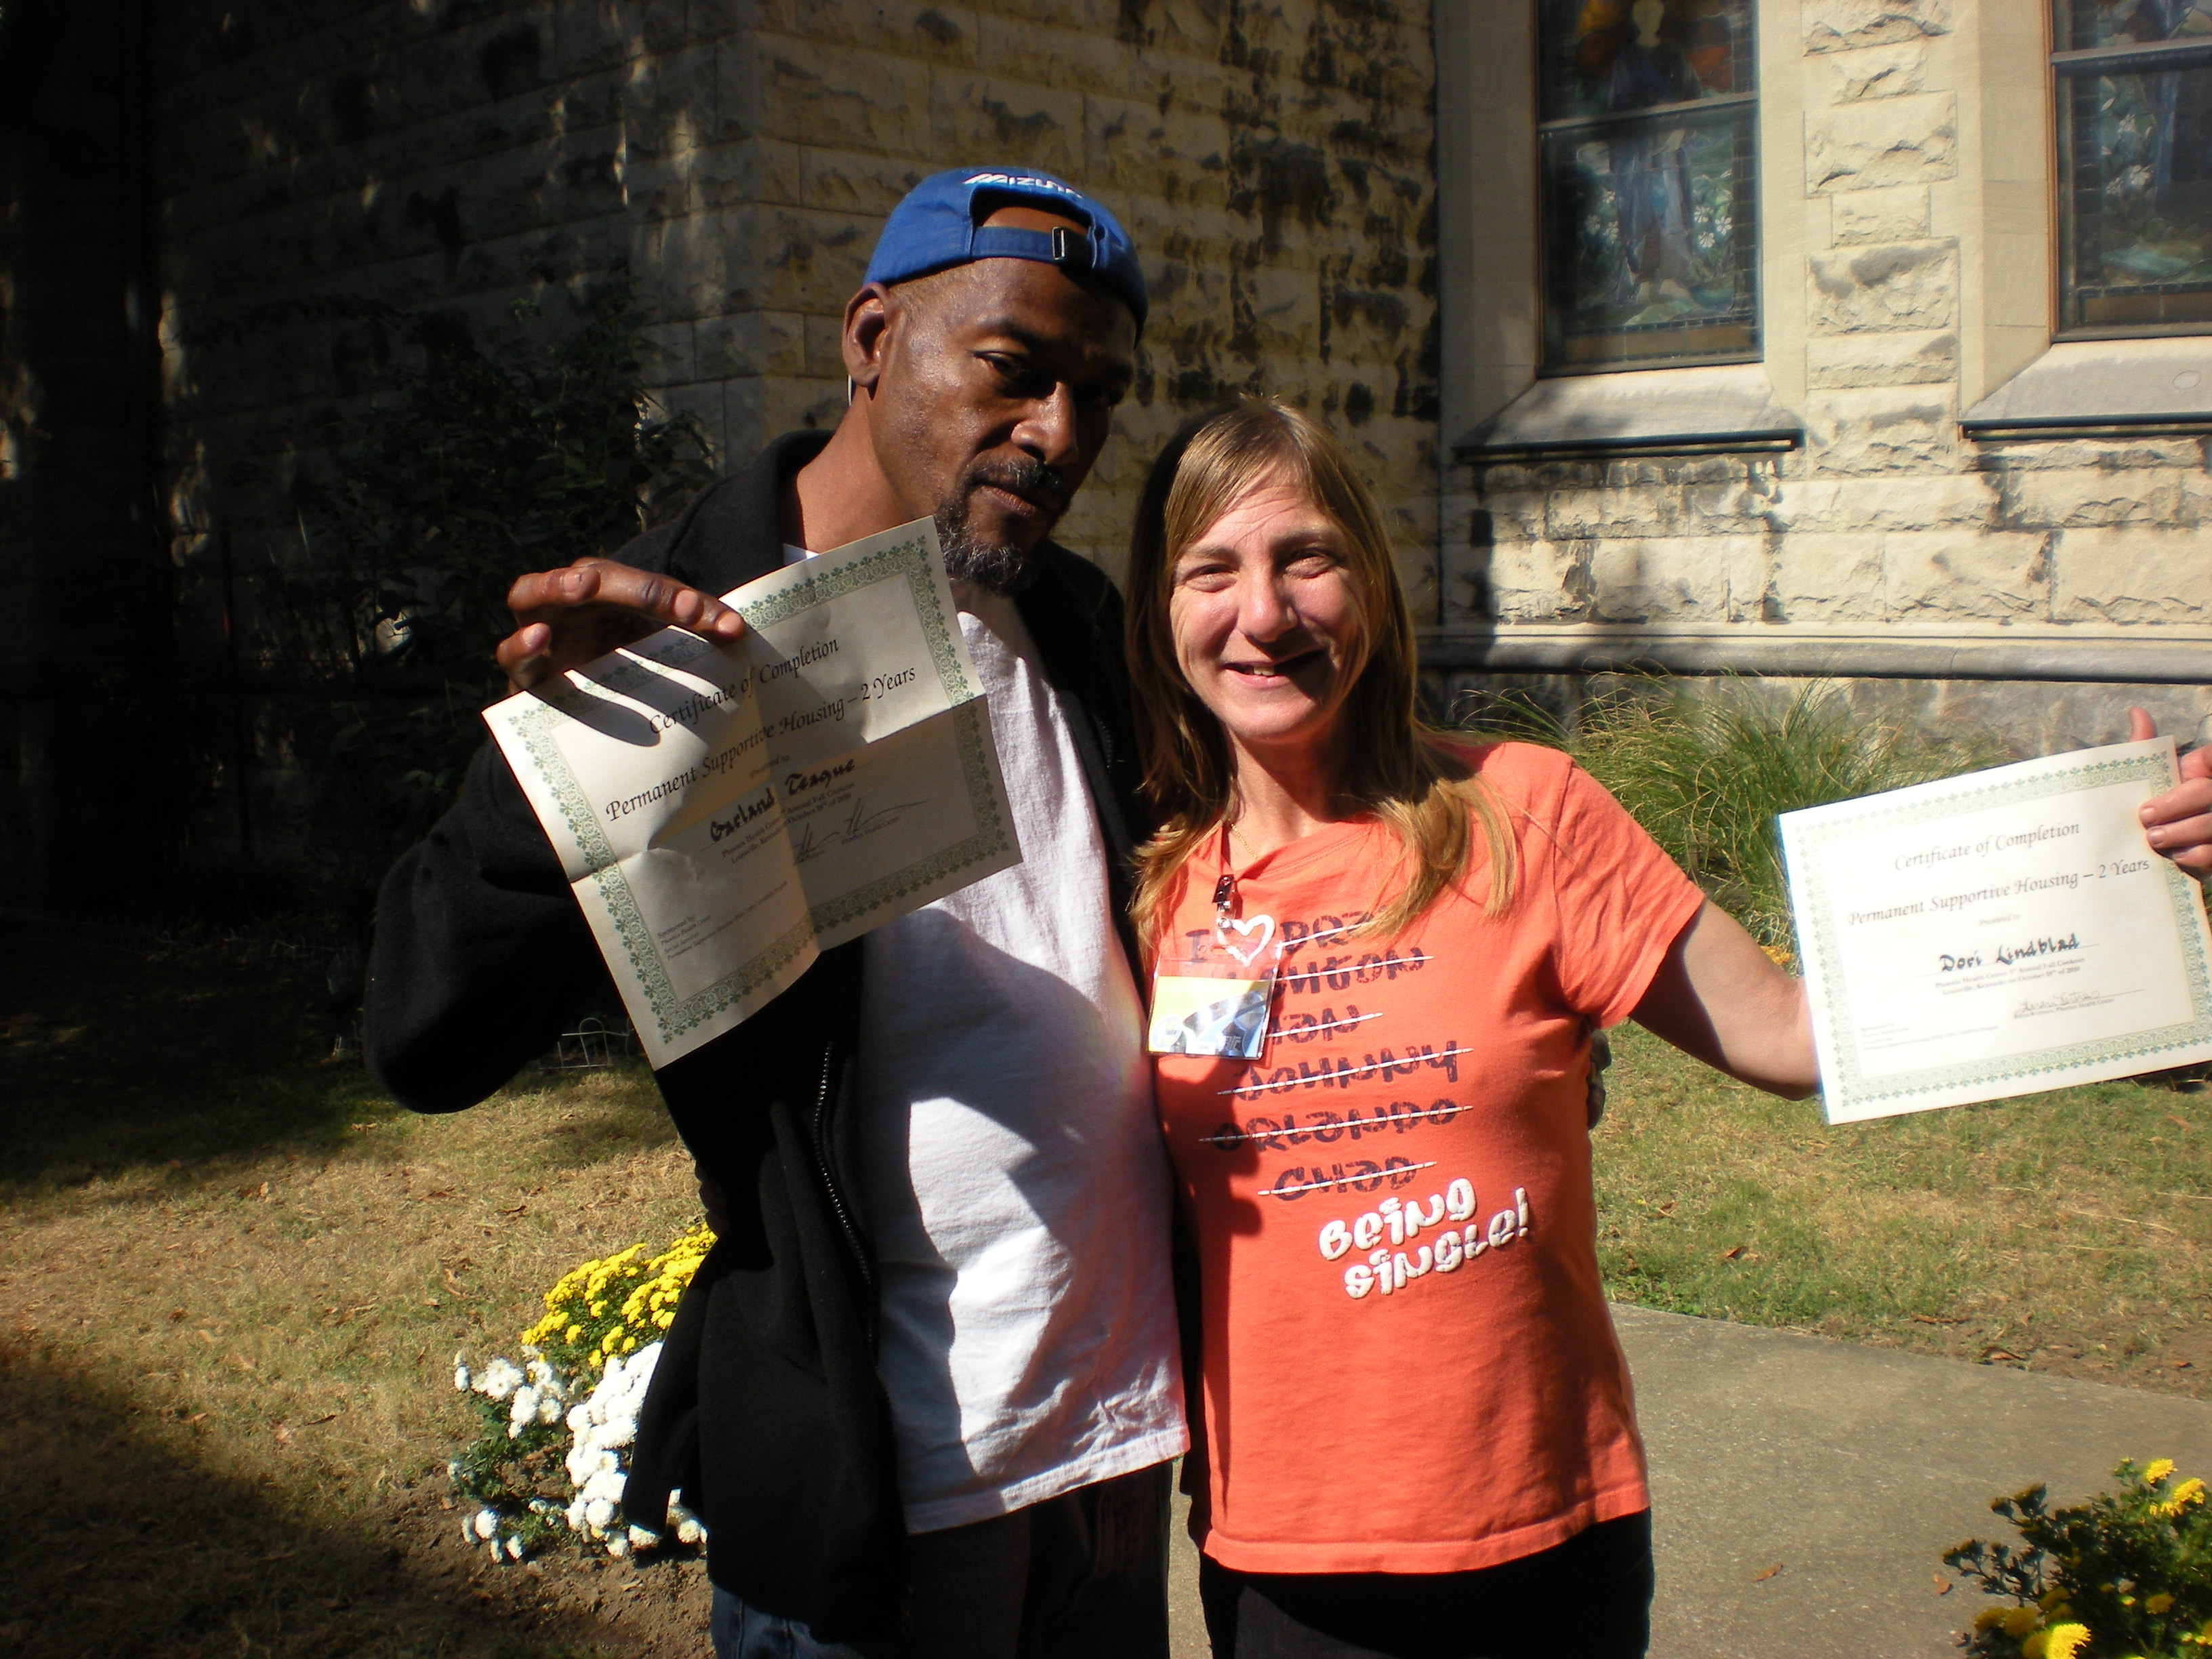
(618, 1128)
(122, 1049)
(118, 1048)
(119, 1546)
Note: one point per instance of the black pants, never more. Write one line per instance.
(1589, 1598)
(1082, 1576)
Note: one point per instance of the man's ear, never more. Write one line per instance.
(868, 318)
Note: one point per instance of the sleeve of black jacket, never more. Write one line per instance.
(481, 954)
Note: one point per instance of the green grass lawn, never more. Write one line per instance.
(2065, 1232)
(233, 1280)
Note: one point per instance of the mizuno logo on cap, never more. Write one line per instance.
(1021, 181)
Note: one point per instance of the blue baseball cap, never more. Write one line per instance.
(939, 224)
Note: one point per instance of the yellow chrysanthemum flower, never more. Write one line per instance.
(2157, 1470)
(2064, 1641)
(1988, 1618)
(2156, 1605)
(2017, 1622)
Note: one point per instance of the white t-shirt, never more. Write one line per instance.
(1012, 1172)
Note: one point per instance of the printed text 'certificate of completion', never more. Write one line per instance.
(1996, 934)
(723, 816)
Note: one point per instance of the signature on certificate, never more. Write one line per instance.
(857, 825)
(2065, 1004)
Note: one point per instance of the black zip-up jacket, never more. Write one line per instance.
(765, 1407)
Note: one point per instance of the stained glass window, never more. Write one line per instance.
(1648, 121)
(2133, 81)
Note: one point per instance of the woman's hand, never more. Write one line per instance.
(1719, 999)
(2178, 823)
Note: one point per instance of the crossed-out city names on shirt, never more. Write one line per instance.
(1458, 1235)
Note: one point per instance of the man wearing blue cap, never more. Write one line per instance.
(925, 1389)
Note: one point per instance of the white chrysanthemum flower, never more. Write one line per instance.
(514, 1549)
(499, 1380)
(642, 1539)
(619, 1547)
(579, 1419)
(689, 1531)
(548, 1409)
(461, 1378)
(487, 1523)
(525, 1408)
(599, 1512)
(608, 1483)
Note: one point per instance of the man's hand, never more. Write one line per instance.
(2179, 822)
(568, 617)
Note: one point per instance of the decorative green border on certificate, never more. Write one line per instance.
(674, 1015)
(968, 726)
(913, 559)
(2049, 1064)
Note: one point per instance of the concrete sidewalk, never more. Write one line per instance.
(1853, 1469)
(1850, 1468)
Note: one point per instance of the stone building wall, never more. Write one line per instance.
(1906, 201)
(77, 575)
(1271, 161)
(1273, 158)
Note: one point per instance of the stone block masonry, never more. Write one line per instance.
(1273, 161)
(1896, 202)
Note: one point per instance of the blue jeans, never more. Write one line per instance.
(1083, 1576)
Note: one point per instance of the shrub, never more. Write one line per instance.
(2125, 1575)
(1707, 774)
(476, 459)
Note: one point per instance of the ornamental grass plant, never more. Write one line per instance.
(1707, 771)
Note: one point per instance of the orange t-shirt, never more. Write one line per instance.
(1408, 1363)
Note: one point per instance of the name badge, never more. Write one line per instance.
(1214, 997)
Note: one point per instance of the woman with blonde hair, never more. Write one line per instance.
(1417, 1430)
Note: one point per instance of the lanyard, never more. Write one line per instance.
(1213, 997)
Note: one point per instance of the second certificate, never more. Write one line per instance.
(1997, 934)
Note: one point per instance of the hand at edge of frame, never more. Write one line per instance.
(2178, 823)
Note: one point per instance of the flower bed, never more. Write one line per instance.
(585, 1368)
(2126, 1575)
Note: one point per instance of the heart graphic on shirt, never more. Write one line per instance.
(1244, 928)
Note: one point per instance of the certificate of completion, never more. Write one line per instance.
(1996, 934)
(724, 816)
